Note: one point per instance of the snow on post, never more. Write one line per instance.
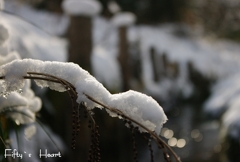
(123, 19)
(82, 7)
(134, 105)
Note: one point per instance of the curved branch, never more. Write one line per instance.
(66, 84)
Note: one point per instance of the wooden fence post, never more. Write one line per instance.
(122, 20)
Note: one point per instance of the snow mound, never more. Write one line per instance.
(141, 108)
(82, 7)
(224, 93)
(123, 19)
(135, 105)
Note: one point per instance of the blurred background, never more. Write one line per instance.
(183, 53)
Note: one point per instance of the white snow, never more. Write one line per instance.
(105, 68)
(21, 107)
(31, 42)
(52, 23)
(223, 95)
(231, 119)
(123, 19)
(82, 7)
(140, 107)
(225, 101)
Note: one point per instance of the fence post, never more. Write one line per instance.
(80, 30)
(154, 60)
(123, 20)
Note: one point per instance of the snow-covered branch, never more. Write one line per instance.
(135, 105)
(140, 110)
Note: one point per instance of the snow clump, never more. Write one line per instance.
(135, 105)
(21, 107)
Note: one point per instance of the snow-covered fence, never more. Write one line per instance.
(140, 112)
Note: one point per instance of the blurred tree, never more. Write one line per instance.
(152, 11)
(219, 17)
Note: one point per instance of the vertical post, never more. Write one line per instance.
(154, 61)
(80, 29)
(80, 41)
(122, 20)
(123, 57)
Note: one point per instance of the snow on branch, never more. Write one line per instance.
(141, 108)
